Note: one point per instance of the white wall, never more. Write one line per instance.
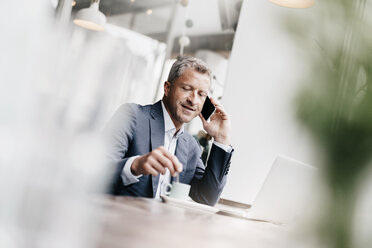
(262, 79)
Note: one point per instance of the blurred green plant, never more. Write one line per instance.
(336, 104)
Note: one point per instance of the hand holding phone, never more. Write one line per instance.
(219, 126)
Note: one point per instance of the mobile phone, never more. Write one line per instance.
(208, 108)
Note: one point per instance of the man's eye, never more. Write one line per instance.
(186, 88)
(202, 94)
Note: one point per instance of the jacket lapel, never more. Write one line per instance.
(157, 135)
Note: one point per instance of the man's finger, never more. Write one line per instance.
(221, 111)
(214, 102)
(220, 108)
(147, 169)
(177, 166)
(165, 161)
(156, 165)
(217, 105)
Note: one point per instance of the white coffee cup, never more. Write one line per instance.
(177, 190)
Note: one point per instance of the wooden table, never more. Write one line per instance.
(141, 222)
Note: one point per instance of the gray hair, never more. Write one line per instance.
(184, 62)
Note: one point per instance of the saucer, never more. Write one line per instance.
(188, 203)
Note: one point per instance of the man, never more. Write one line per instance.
(149, 143)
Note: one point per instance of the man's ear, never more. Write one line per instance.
(167, 86)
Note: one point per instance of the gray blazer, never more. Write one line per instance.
(137, 130)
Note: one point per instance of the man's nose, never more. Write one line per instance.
(193, 98)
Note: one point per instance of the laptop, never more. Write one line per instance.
(285, 193)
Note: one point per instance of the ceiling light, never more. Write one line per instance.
(149, 11)
(298, 4)
(132, 1)
(91, 18)
(73, 3)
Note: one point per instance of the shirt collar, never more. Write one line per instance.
(168, 123)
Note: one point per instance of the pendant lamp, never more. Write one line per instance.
(298, 4)
(91, 18)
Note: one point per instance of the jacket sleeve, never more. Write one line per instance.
(208, 183)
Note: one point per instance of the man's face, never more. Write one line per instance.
(184, 98)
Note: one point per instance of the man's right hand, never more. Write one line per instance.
(156, 162)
